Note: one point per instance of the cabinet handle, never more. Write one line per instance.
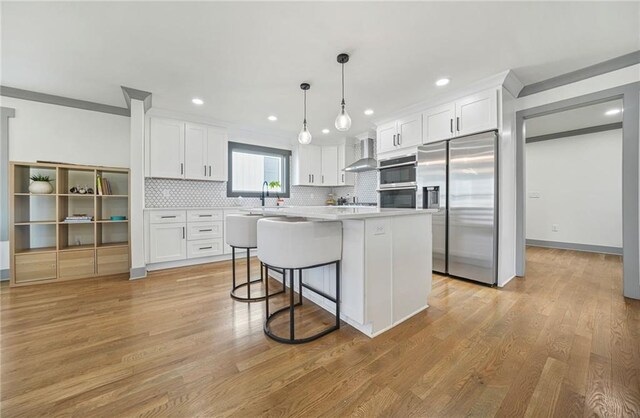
(343, 178)
(206, 248)
(181, 168)
(394, 140)
(323, 179)
(209, 171)
(167, 216)
(451, 125)
(309, 178)
(458, 123)
(183, 231)
(205, 171)
(205, 230)
(205, 216)
(313, 178)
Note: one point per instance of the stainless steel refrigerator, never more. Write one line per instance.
(459, 178)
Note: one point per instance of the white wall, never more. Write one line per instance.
(42, 131)
(579, 183)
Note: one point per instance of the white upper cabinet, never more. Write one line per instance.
(409, 131)
(345, 158)
(195, 154)
(184, 150)
(217, 144)
(403, 133)
(469, 115)
(438, 123)
(320, 166)
(307, 166)
(166, 148)
(329, 176)
(387, 137)
(477, 113)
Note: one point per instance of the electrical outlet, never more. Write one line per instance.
(312, 196)
(554, 228)
(166, 193)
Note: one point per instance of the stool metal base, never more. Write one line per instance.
(248, 283)
(293, 305)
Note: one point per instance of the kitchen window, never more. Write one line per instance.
(251, 165)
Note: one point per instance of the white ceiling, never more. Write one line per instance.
(246, 60)
(582, 117)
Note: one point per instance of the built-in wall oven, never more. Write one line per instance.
(397, 184)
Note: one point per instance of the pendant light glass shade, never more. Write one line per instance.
(343, 121)
(304, 137)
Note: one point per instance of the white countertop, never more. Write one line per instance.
(335, 213)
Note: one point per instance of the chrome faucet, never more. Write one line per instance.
(262, 196)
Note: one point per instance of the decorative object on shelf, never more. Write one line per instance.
(304, 137)
(343, 121)
(41, 184)
(81, 190)
(273, 186)
(118, 218)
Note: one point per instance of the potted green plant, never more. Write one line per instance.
(41, 184)
(275, 185)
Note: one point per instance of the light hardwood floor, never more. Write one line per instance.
(561, 342)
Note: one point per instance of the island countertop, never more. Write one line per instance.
(335, 213)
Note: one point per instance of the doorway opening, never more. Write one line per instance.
(629, 96)
(573, 161)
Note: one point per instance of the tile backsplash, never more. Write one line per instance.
(167, 193)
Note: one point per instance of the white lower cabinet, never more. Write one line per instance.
(168, 242)
(184, 234)
(204, 230)
(204, 248)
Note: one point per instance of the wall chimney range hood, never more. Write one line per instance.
(367, 162)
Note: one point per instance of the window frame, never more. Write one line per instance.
(260, 150)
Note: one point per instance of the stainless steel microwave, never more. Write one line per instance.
(397, 185)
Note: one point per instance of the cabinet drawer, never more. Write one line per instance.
(34, 267)
(77, 264)
(204, 230)
(113, 260)
(167, 216)
(204, 215)
(204, 248)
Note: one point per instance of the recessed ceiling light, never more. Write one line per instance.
(442, 82)
(197, 101)
(368, 112)
(325, 131)
(612, 112)
(273, 118)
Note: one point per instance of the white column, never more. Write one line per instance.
(136, 194)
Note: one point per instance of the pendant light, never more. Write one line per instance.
(304, 137)
(343, 121)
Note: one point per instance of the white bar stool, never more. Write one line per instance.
(242, 233)
(298, 244)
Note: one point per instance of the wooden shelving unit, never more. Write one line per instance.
(45, 248)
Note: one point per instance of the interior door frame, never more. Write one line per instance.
(630, 95)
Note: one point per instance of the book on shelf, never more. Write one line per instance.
(103, 186)
(98, 185)
(78, 218)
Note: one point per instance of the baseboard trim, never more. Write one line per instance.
(5, 274)
(574, 246)
(137, 273)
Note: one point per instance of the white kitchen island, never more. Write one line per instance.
(386, 263)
